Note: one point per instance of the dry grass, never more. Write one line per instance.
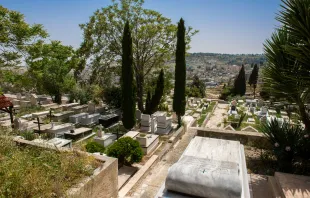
(37, 172)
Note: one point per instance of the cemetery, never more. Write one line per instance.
(132, 113)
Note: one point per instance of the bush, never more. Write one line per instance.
(28, 135)
(81, 94)
(113, 96)
(93, 147)
(226, 92)
(290, 145)
(127, 150)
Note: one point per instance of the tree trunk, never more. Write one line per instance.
(58, 98)
(304, 116)
(254, 87)
(179, 120)
(140, 83)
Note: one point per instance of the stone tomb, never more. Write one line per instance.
(148, 142)
(58, 142)
(40, 114)
(208, 168)
(75, 119)
(80, 108)
(67, 107)
(79, 133)
(62, 116)
(163, 123)
(148, 123)
(108, 120)
(90, 119)
(59, 130)
(103, 138)
(33, 99)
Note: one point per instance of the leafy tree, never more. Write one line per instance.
(240, 83)
(113, 96)
(180, 72)
(127, 150)
(49, 67)
(288, 69)
(253, 78)
(197, 89)
(153, 39)
(154, 101)
(15, 36)
(127, 81)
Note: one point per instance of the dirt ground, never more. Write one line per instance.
(217, 117)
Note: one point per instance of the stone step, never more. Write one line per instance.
(293, 186)
(275, 187)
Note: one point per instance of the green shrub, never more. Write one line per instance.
(290, 145)
(28, 135)
(93, 147)
(226, 92)
(127, 150)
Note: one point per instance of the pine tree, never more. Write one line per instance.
(127, 81)
(180, 73)
(240, 83)
(253, 78)
(159, 91)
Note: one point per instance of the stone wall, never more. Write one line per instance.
(258, 140)
(103, 183)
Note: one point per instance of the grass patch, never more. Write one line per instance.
(28, 110)
(201, 119)
(38, 172)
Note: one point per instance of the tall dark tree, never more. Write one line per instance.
(180, 73)
(253, 78)
(240, 83)
(147, 102)
(153, 102)
(127, 81)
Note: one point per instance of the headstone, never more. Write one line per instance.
(91, 107)
(263, 119)
(251, 120)
(252, 109)
(234, 103)
(260, 103)
(138, 114)
(19, 96)
(33, 99)
(99, 134)
(264, 110)
(233, 108)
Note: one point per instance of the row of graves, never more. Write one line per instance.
(258, 111)
(66, 123)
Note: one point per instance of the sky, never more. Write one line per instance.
(225, 26)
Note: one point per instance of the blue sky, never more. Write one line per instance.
(226, 26)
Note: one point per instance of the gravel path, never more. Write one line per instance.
(219, 113)
(149, 185)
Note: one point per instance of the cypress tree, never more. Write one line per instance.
(253, 78)
(127, 81)
(159, 91)
(147, 103)
(180, 73)
(240, 83)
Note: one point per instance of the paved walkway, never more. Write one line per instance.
(218, 116)
(151, 183)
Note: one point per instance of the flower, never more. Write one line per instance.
(287, 148)
(276, 144)
(306, 136)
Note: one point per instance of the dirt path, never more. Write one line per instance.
(151, 183)
(219, 114)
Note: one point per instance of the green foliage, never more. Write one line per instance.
(153, 40)
(93, 147)
(287, 72)
(49, 67)
(36, 172)
(179, 102)
(16, 36)
(253, 78)
(127, 150)
(113, 96)
(127, 81)
(154, 101)
(240, 83)
(226, 92)
(290, 144)
(28, 135)
(197, 88)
